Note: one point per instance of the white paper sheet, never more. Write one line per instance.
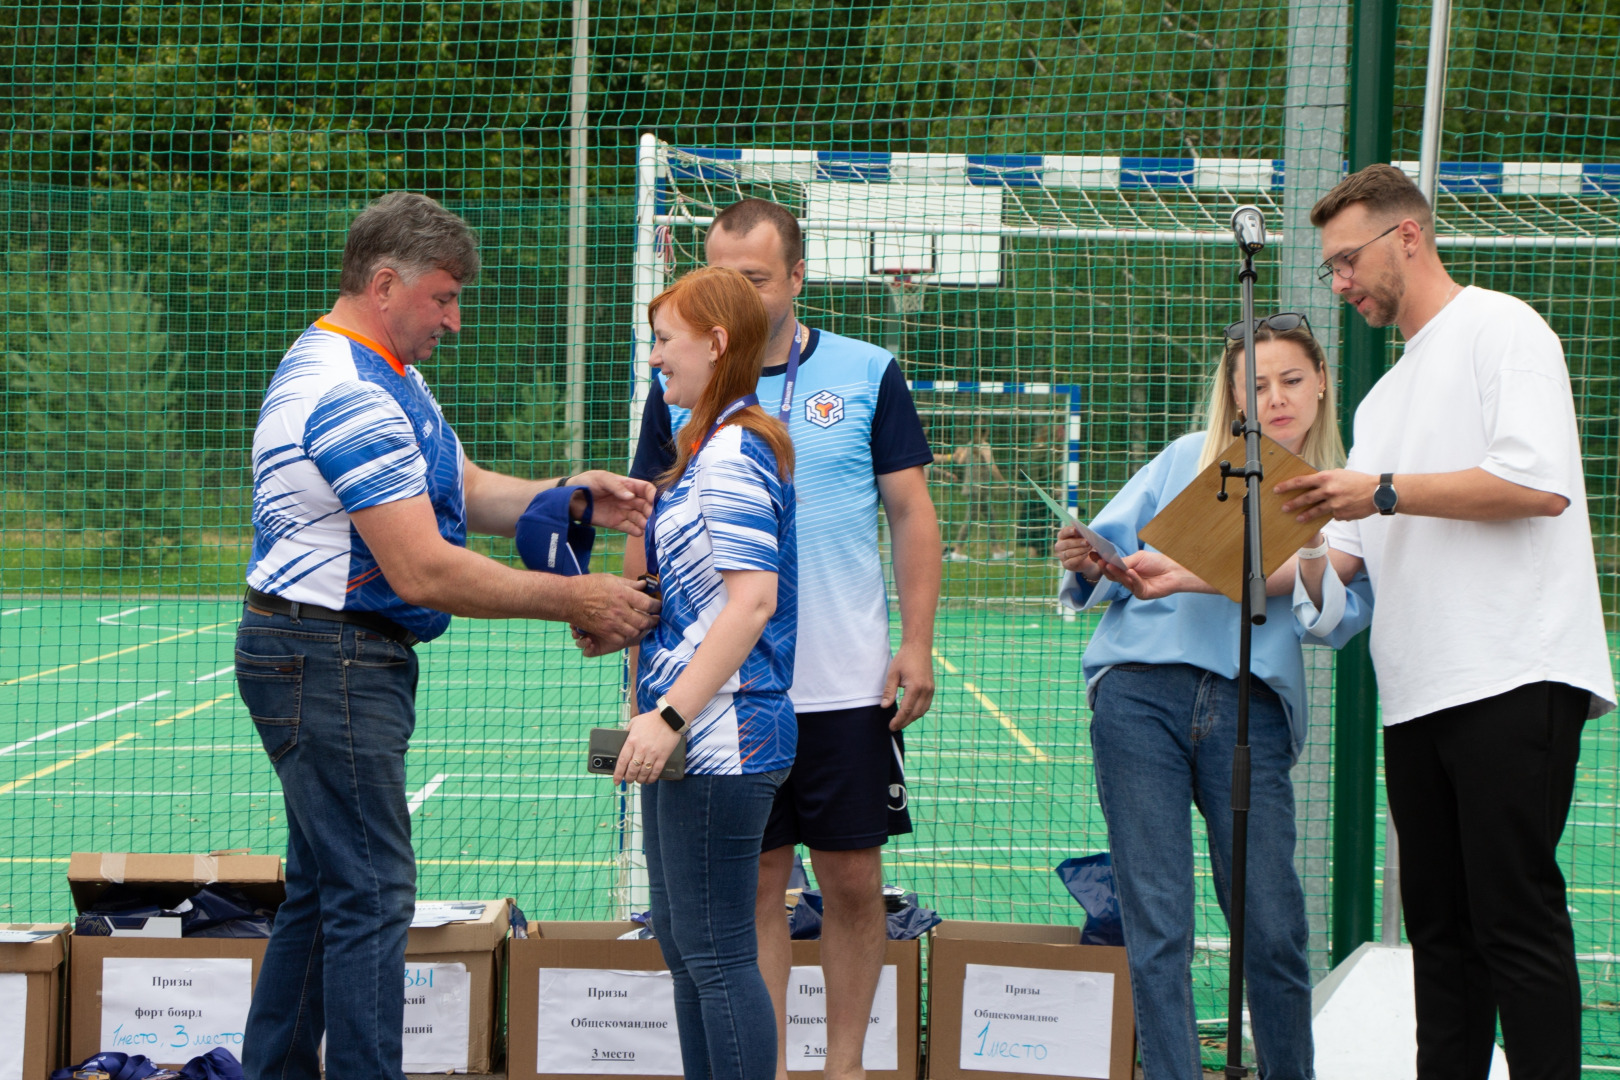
(431, 913)
(807, 1022)
(13, 1023)
(26, 936)
(1030, 1020)
(172, 1009)
(614, 1023)
(438, 1000)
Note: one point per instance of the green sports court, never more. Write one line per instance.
(121, 730)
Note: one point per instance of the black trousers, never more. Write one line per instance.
(1480, 793)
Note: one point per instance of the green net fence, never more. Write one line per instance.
(1025, 202)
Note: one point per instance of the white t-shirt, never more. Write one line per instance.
(1466, 610)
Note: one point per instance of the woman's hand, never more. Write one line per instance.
(1077, 555)
(1150, 575)
(646, 750)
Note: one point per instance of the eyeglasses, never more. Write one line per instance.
(1281, 322)
(1342, 265)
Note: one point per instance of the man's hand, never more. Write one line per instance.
(1150, 575)
(1336, 493)
(1076, 554)
(912, 670)
(621, 503)
(610, 612)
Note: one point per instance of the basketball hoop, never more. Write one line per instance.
(906, 292)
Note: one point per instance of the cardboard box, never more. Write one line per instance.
(167, 998)
(609, 1005)
(32, 984)
(1009, 1000)
(892, 1040)
(456, 967)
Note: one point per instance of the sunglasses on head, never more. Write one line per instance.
(1280, 322)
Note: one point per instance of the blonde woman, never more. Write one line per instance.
(1161, 679)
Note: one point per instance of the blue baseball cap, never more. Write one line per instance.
(549, 540)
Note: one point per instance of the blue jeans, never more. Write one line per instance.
(334, 705)
(702, 837)
(1162, 737)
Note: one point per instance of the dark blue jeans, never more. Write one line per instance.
(334, 705)
(702, 836)
(1162, 736)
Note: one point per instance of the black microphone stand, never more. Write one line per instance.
(1252, 613)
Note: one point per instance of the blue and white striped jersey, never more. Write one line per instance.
(853, 420)
(345, 426)
(731, 511)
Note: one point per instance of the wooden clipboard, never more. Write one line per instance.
(1206, 535)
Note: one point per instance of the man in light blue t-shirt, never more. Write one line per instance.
(858, 443)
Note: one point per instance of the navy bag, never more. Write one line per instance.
(906, 924)
(1091, 881)
(217, 1064)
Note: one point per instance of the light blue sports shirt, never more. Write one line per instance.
(1199, 628)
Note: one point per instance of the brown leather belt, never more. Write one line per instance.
(370, 620)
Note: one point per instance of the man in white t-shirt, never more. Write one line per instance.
(1464, 499)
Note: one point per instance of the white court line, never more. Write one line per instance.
(15, 611)
(425, 793)
(213, 675)
(80, 723)
(109, 620)
(72, 793)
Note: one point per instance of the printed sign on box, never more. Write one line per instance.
(13, 1023)
(174, 1007)
(1035, 1020)
(437, 1000)
(594, 1020)
(807, 1022)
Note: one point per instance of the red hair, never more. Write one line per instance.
(704, 299)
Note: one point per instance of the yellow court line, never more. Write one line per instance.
(6, 789)
(1006, 721)
(589, 863)
(120, 652)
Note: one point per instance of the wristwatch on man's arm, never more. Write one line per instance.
(1384, 496)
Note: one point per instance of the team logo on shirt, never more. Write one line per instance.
(824, 409)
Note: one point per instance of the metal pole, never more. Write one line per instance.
(644, 280)
(579, 85)
(633, 889)
(1434, 99)
(1372, 110)
(1253, 613)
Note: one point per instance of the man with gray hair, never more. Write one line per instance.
(362, 498)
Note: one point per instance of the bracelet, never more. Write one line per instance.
(1315, 552)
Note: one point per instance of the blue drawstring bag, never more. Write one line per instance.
(1090, 880)
(116, 1065)
(215, 911)
(217, 1064)
(906, 924)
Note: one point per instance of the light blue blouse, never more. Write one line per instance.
(1199, 628)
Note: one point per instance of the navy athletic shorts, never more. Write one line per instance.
(847, 789)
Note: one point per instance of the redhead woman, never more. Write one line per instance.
(716, 669)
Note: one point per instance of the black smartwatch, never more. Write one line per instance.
(672, 716)
(1384, 496)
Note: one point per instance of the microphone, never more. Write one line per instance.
(1249, 229)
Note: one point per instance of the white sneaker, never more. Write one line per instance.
(956, 556)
